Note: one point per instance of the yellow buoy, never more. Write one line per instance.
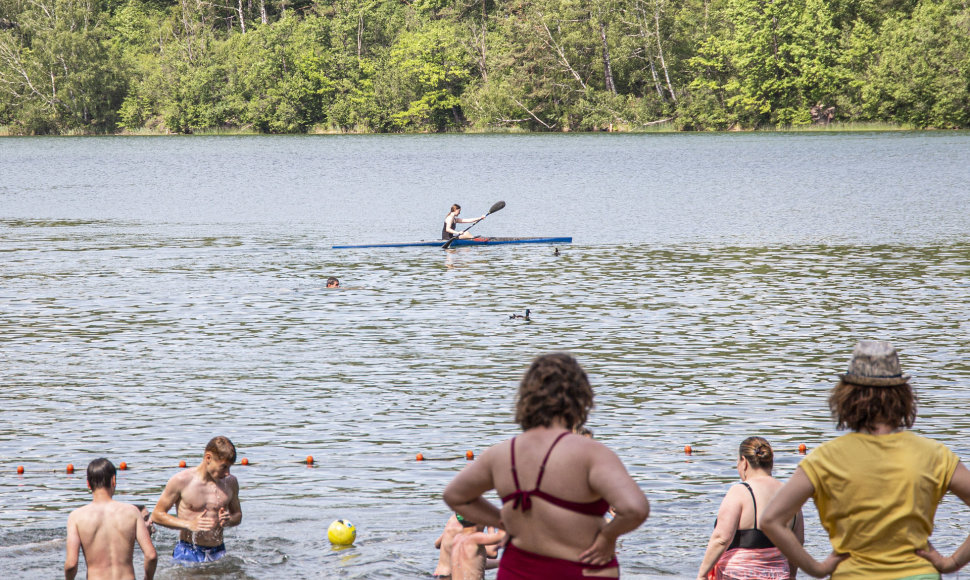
(342, 533)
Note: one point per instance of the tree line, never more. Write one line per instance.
(291, 66)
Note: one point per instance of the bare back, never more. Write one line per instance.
(764, 488)
(107, 532)
(573, 467)
(467, 557)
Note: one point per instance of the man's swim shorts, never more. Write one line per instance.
(192, 553)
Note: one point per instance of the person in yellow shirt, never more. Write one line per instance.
(877, 488)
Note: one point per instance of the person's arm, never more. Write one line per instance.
(609, 478)
(464, 494)
(960, 487)
(73, 549)
(775, 520)
(232, 516)
(488, 539)
(144, 539)
(728, 518)
(800, 535)
(169, 497)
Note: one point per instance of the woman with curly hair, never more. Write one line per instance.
(555, 485)
(877, 488)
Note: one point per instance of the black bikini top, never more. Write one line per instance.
(753, 538)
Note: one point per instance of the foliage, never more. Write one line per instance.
(291, 66)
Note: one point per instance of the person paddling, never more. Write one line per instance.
(448, 231)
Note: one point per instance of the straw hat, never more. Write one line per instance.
(875, 364)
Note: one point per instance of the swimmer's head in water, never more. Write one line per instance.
(333, 282)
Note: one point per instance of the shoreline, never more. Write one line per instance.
(664, 128)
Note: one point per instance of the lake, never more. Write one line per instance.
(158, 291)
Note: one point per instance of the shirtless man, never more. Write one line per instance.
(468, 550)
(444, 543)
(107, 531)
(206, 500)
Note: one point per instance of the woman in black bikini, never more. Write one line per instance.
(738, 548)
(555, 485)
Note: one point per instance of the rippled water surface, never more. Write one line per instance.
(155, 292)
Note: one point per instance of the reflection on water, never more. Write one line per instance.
(139, 339)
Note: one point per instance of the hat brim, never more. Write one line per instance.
(865, 381)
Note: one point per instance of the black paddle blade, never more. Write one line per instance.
(496, 206)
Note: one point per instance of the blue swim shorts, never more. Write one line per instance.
(192, 553)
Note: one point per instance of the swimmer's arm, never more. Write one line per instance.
(728, 517)
(780, 511)
(235, 508)
(486, 539)
(464, 493)
(73, 549)
(144, 539)
(960, 487)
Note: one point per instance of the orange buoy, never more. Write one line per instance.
(123, 466)
(802, 448)
(70, 468)
(688, 450)
(469, 455)
(309, 460)
(20, 469)
(245, 461)
(419, 457)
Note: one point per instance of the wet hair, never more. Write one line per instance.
(554, 387)
(333, 280)
(100, 472)
(455, 206)
(222, 449)
(758, 452)
(859, 407)
(584, 431)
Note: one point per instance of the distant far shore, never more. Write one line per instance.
(664, 127)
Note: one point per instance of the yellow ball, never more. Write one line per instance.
(342, 533)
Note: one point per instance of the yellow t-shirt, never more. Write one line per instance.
(877, 496)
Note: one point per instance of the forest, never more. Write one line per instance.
(74, 67)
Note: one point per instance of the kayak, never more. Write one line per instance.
(463, 242)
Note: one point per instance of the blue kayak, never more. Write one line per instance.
(463, 242)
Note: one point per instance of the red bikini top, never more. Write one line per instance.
(523, 499)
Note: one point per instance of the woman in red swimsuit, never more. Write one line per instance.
(555, 486)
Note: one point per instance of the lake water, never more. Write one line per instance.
(155, 292)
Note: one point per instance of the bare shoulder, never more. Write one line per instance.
(126, 509)
(182, 478)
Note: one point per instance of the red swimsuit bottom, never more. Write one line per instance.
(519, 564)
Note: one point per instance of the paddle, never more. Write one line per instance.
(495, 207)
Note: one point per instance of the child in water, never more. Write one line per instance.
(467, 550)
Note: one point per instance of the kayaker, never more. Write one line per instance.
(876, 488)
(556, 522)
(449, 231)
